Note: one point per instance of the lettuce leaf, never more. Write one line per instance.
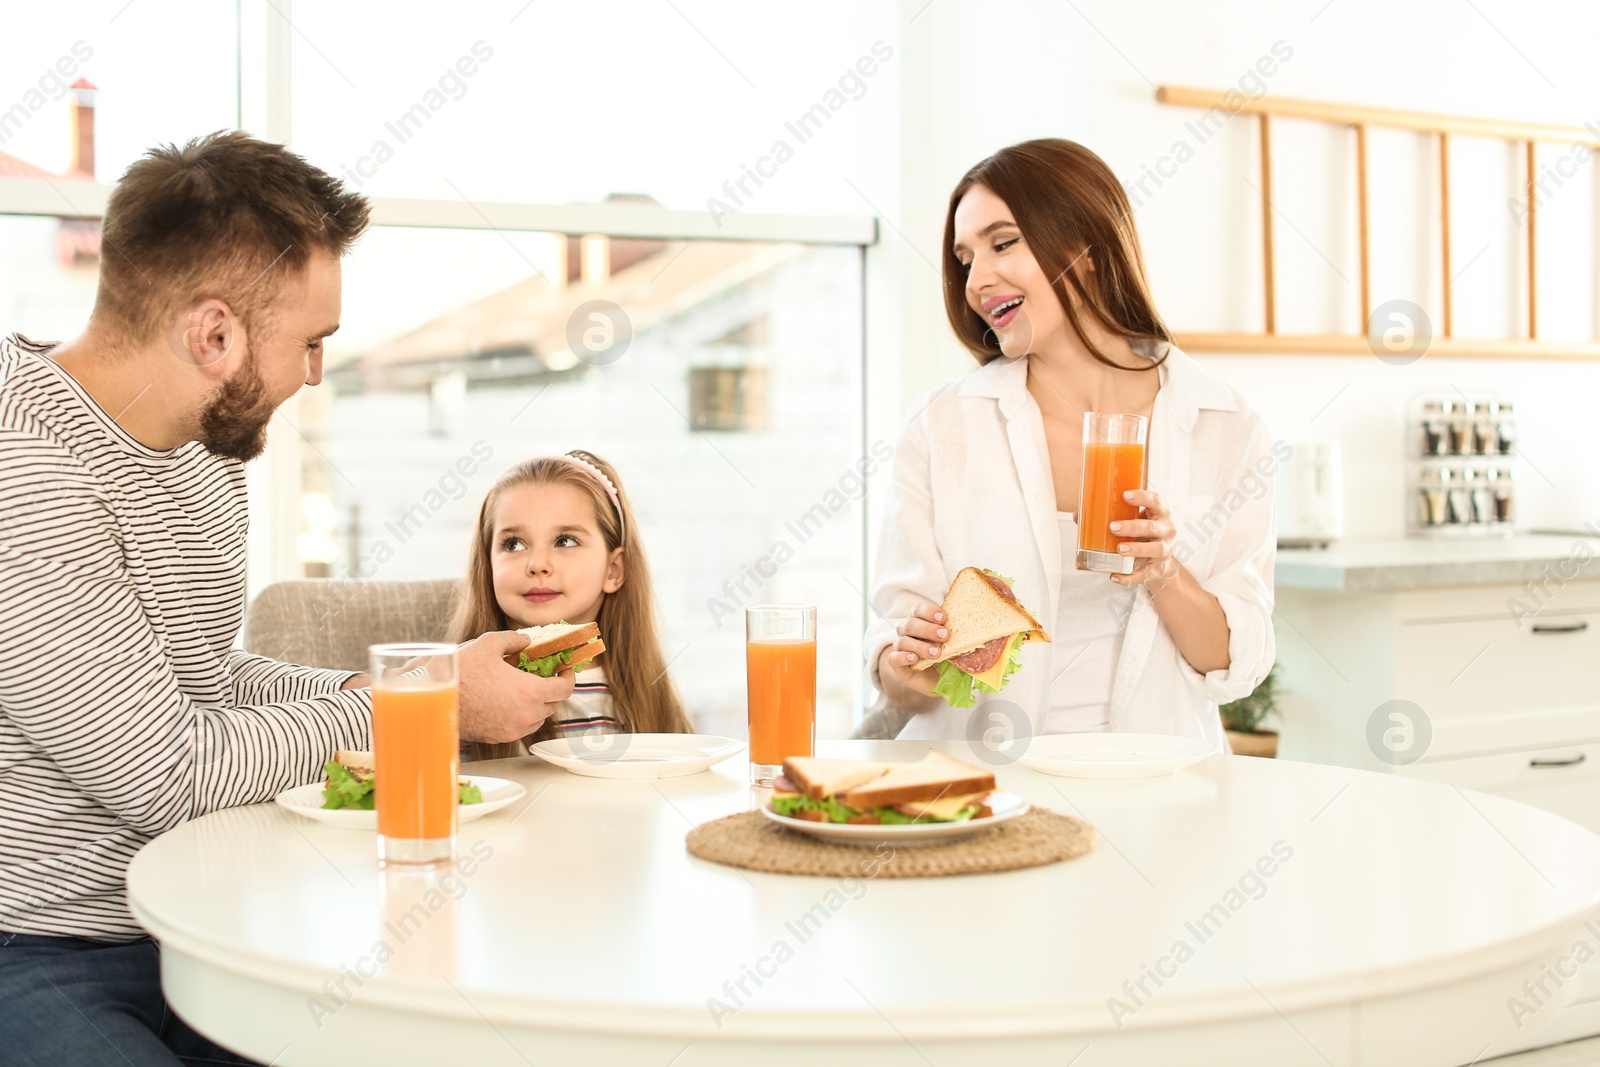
(834, 811)
(997, 574)
(344, 790)
(545, 666)
(955, 685)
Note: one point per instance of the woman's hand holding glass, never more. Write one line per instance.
(1149, 540)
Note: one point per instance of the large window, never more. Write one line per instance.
(723, 380)
(561, 275)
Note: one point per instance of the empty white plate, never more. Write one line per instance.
(1004, 805)
(307, 800)
(637, 755)
(1112, 755)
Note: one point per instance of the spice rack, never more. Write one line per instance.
(1463, 480)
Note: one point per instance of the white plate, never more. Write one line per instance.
(1113, 755)
(637, 755)
(307, 800)
(1004, 805)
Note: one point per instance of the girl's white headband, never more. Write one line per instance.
(616, 499)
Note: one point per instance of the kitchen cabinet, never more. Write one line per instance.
(1475, 664)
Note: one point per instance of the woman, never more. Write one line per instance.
(1044, 284)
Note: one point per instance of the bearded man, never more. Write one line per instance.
(124, 707)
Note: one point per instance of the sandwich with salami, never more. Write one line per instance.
(988, 626)
(935, 788)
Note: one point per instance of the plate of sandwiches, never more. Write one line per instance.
(636, 755)
(868, 802)
(1113, 755)
(348, 797)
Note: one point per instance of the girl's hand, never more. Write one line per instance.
(920, 637)
(1149, 540)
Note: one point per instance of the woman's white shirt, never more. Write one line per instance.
(1087, 639)
(971, 486)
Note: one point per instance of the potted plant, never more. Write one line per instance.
(1243, 718)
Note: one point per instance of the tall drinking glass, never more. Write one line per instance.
(1113, 464)
(781, 670)
(415, 752)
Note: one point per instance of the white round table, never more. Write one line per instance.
(1240, 911)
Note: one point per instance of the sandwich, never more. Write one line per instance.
(935, 788)
(557, 647)
(351, 776)
(987, 629)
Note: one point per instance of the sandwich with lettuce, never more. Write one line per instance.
(352, 776)
(988, 627)
(935, 788)
(560, 646)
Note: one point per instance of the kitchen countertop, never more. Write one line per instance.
(1390, 564)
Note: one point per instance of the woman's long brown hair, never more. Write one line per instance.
(1066, 202)
(636, 672)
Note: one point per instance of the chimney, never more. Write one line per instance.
(83, 93)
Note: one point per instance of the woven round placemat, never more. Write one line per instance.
(754, 842)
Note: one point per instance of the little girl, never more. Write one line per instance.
(556, 542)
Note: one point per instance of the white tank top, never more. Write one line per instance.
(1090, 621)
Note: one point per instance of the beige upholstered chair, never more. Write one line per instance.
(887, 722)
(330, 623)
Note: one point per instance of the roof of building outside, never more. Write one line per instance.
(533, 314)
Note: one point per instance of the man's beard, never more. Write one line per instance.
(234, 423)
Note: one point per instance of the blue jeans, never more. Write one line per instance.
(64, 1000)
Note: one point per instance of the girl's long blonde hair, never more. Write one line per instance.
(635, 670)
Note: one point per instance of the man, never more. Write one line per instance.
(124, 710)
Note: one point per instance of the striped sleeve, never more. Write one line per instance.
(86, 677)
(259, 680)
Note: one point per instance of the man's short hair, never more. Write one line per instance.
(226, 216)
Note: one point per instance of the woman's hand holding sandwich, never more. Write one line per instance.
(500, 703)
(920, 636)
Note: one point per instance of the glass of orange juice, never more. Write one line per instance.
(781, 669)
(415, 752)
(1113, 464)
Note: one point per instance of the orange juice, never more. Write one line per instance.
(415, 751)
(1109, 470)
(783, 698)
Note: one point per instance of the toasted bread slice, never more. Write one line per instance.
(357, 763)
(981, 609)
(931, 777)
(819, 778)
(583, 658)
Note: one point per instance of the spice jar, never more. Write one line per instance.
(1458, 501)
(1505, 427)
(1477, 485)
(1503, 499)
(1433, 490)
(1435, 428)
(1485, 432)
